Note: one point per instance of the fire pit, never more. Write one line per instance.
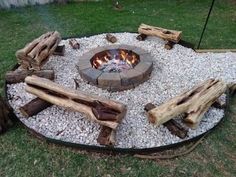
(116, 67)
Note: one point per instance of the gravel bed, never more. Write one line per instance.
(174, 71)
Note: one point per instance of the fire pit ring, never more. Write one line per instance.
(119, 80)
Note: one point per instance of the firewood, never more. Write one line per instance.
(111, 38)
(74, 44)
(141, 37)
(35, 54)
(106, 136)
(92, 106)
(194, 103)
(60, 50)
(5, 116)
(166, 34)
(19, 75)
(169, 45)
(34, 107)
(173, 126)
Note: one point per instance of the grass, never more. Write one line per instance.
(23, 155)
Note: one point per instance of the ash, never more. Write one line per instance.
(174, 71)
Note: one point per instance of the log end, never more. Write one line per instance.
(151, 118)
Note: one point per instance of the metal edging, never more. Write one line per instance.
(107, 148)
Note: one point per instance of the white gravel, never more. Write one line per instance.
(174, 71)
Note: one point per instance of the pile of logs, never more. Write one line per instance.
(105, 112)
(171, 36)
(36, 53)
(193, 104)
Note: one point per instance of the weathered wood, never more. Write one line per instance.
(74, 43)
(169, 45)
(173, 126)
(106, 136)
(111, 38)
(166, 34)
(5, 120)
(194, 103)
(141, 37)
(60, 50)
(94, 107)
(19, 75)
(34, 107)
(35, 54)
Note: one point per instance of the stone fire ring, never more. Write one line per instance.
(116, 81)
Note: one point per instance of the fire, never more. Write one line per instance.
(115, 60)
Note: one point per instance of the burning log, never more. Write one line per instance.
(34, 107)
(5, 121)
(106, 136)
(35, 54)
(173, 126)
(111, 38)
(60, 50)
(166, 34)
(141, 37)
(105, 112)
(194, 103)
(18, 75)
(74, 44)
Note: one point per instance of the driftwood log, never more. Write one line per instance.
(103, 111)
(166, 34)
(5, 116)
(19, 75)
(173, 126)
(74, 43)
(193, 103)
(111, 38)
(106, 136)
(36, 53)
(34, 107)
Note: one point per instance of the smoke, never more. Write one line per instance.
(18, 3)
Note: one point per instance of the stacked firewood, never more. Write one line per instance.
(34, 55)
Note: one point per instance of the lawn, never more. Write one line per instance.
(23, 155)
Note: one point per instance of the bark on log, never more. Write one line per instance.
(105, 112)
(5, 121)
(60, 50)
(106, 136)
(166, 34)
(19, 75)
(194, 103)
(141, 37)
(111, 38)
(36, 53)
(74, 44)
(34, 107)
(173, 126)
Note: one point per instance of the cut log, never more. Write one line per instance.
(19, 75)
(103, 111)
(141, 37)
(60, 50)
(35, 54)
(74, 44)
(34, 107)
(194, 103)
(166, 34)
(169, 45)
(173, 126)
(5, 120)
(111, 38)
(106, 136)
